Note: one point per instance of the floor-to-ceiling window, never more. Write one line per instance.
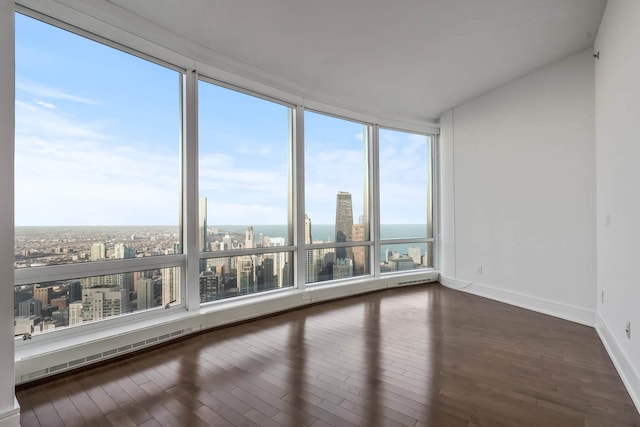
(337, 198)
(97, 181)
(245, 199)
(406, 200)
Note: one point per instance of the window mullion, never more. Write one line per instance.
(190, 197)
(298, 199)
(374, 194)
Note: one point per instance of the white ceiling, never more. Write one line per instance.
(406, 59)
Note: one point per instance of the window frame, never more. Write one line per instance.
(290, 247)
(53, 273)
(370, 134)
(431, 204)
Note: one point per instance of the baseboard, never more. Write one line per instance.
(625, 369)
(541, 305)
(11, 417)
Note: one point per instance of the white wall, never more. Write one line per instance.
(617, 92)
(9, 415)
(520, 161)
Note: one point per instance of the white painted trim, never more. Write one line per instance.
(452, 283)
(625, 369)
(11, 417)
(563, 311)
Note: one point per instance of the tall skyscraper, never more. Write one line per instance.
(248, 239)
(202, 222)
(307, 230)
(344, 222)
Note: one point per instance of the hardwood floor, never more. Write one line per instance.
(419, 356)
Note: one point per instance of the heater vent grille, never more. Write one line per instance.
(104, 355)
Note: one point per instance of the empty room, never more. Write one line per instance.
(286, 213)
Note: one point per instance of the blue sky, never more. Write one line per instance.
(98, 135)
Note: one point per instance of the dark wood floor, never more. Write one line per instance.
(419, 356)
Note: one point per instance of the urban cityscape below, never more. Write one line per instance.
(40, 307)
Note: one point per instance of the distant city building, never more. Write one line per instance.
(226, 242)
(311, 267)
(359, 252)
(75, 291)
(342, 268)
(43, 294)
(60, 303)
(286, 275)
(248, 239)
(307, 230)
(416, 254)
(30, 307)
(403, 262)
(145, 293)
(98, 251)
(75, 313)
(279, 259)
(268, 273)
(177, 248)
(202, 223)
(344, 223)
(26, 325)
(208, 286)
(390, 255)
(106, 281)
(170, 285)
(246, 274)
(100, 303)
(122, 251)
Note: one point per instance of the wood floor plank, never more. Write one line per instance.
(417, 356)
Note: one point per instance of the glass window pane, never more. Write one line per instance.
(242, 275)
(244, 159)
(98, 136)
(54, 305)
(405, 168)
(323, 264)
(335, 182)
(409, 256)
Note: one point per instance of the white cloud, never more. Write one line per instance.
(43, 91)
(76, 173)
(46, 105)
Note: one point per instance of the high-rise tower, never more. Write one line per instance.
(344, 222)
(248, 238)
(202, 222)
(307, 230)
